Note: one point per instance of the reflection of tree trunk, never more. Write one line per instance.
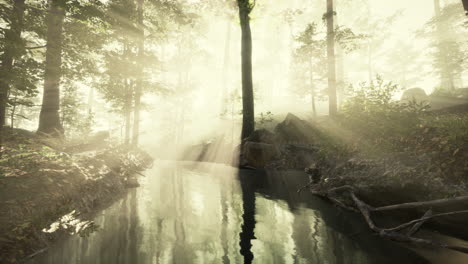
(248, 217)
(224, 223)
(248, 122)
(49, 118)
(301, 236)
(332, 104)
(133, 228)
(315, 235)
(122, 237)
(181, 253)
(337, 246)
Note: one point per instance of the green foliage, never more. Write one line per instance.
(376, 119)
(75, 119)
(370, 97)
(348, 40)
(447, 35)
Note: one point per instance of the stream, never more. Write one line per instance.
(210, 213)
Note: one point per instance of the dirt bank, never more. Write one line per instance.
(430, 164)
(43, 180)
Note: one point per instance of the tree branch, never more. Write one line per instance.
(438, 202)
(37, 47)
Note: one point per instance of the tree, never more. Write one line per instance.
(332, 103)
(139, 77)
(446, 79)
(465, 6)
(49, 118)
(13, 47)
(248, 114)
(308, 60)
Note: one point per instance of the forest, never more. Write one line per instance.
(233, 131)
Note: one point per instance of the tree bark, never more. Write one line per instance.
(139, 81)
(12, 49)
(227, 49)
(332, 106)
(340, 72)
(49, 118)
(128, 110)
(312, 89)
(248, 119)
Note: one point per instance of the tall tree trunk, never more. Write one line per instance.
(312, 88)
(340, 75)
(465, 5)
(446, 78)
(332, 106)
(90, 100)
(248, 118)
(369, 45)
(13, 111)
(227, 49)
(49, 118)
(139, 81)
(128, 110)
(13, 47)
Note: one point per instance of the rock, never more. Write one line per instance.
(262, 136)
(258, 155)
(132, 182)
(295, 130)
(414, 94)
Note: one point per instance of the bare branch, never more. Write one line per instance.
(37, 47)
(432, 203)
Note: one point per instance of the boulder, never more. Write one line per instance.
(258, 155)
(295, 130)
(262, 136)
(414, 94)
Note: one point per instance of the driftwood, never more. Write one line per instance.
(393, 233)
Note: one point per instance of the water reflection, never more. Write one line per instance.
(201, 213)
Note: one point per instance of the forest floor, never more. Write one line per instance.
(390, 161)
(45, 181)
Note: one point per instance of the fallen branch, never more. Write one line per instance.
(393, 233)
(35, 253)
(423, 219)
(439, 202)
(427, 215)
(364, 209)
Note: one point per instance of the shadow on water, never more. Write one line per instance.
(205, 213)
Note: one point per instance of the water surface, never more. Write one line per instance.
(194, 213)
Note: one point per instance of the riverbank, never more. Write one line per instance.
(43, 180)
(386, 160)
